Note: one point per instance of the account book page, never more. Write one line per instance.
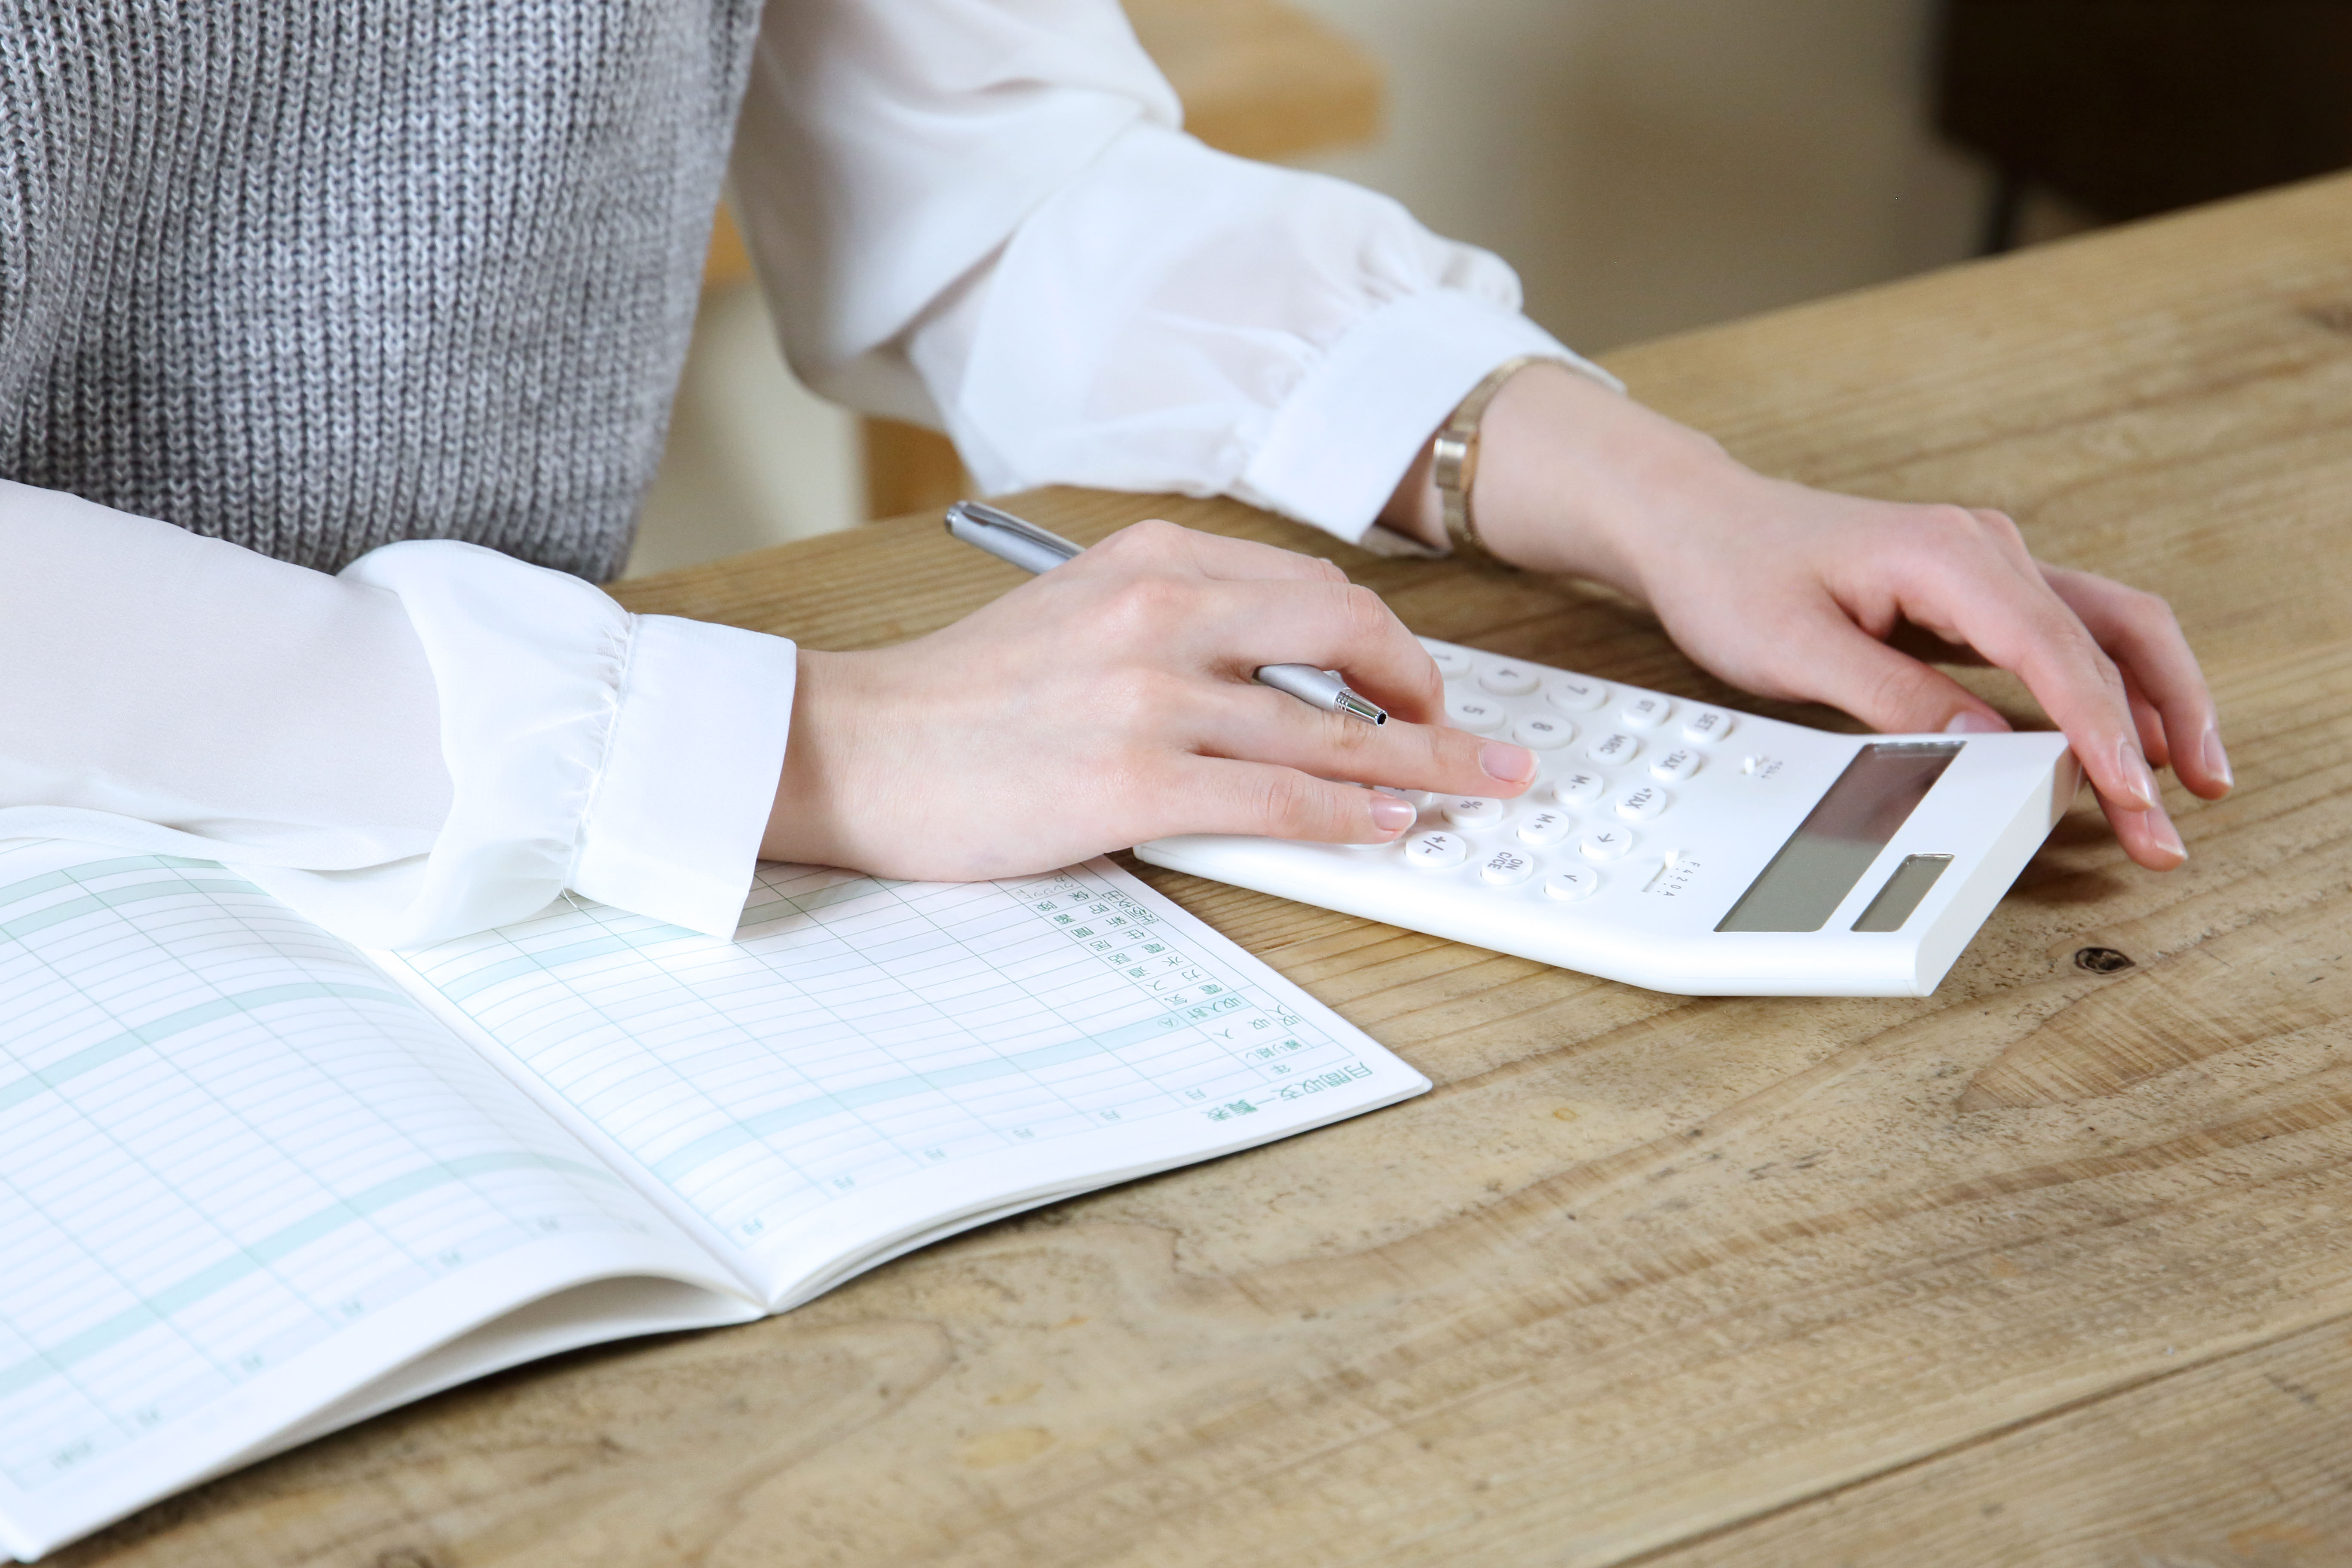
(870, 1064)
(242, 1176)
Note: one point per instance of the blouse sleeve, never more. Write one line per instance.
(439, 739)
(982, 216)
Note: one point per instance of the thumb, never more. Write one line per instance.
(1888, 691)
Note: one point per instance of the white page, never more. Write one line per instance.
(242, 1176)
(870, 1064)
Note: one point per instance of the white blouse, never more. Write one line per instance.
(979, 214)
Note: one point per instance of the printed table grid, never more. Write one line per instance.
(858, 1029)
(189, 1049)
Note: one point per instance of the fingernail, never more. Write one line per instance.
(1969, 721)
(2166, 836)
(2217, 761)
(2137, 778)
(1512, 764)
(1391, 815)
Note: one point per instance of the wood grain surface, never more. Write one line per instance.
(2053, 1267)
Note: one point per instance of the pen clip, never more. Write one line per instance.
(966, 517)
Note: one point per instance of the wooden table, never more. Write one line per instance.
(2055, 1266)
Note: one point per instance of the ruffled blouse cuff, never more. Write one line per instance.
(691, 759)
(631, 758)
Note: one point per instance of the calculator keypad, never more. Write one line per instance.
(1545, 827)
(1704, 725)
(1506, 868)
(1473, 811)
(1596, 792)
(1570, 883)
(1669, 767)
(1614, 748)
(1574, 694)
(1541, 732)
(1477, 714)
(1436, 851)
(1579, 785)
(1608, 842)
(1646, 711)
(1640, 802)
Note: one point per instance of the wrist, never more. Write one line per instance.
(805, 823)
(1577, 479)
(1415, 510)
(1572, 476)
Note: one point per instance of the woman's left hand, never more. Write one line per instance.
(1794, 593)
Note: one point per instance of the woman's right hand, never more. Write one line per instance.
(1109, 702)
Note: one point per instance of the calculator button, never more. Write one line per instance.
(1546, 827)
(1452, 662)
(1607, 843)
(1646, 712)
(1476, 714)
(1642, 803)
(1473, 811)
(1506, 868)
(1436, 851)
(1678, 763)
(1508, 679)
(1705, 725)
(1576, 788)
(1614, 748)
(1574, 694)
(1576, 882)
(1543, 734)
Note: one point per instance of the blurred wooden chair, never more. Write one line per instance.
(1258, 79)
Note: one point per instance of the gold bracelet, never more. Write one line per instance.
(1454, 465)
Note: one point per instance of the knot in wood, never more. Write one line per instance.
(2101, 960)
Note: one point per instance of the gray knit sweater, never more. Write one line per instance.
(317, 277)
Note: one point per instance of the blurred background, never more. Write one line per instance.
(1648, 166)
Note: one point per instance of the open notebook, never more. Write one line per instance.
(255, 1186)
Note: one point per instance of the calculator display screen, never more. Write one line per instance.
(1831, 849)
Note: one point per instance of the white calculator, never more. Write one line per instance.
(1685, 848)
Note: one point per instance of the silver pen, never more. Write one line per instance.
(1031, 548)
